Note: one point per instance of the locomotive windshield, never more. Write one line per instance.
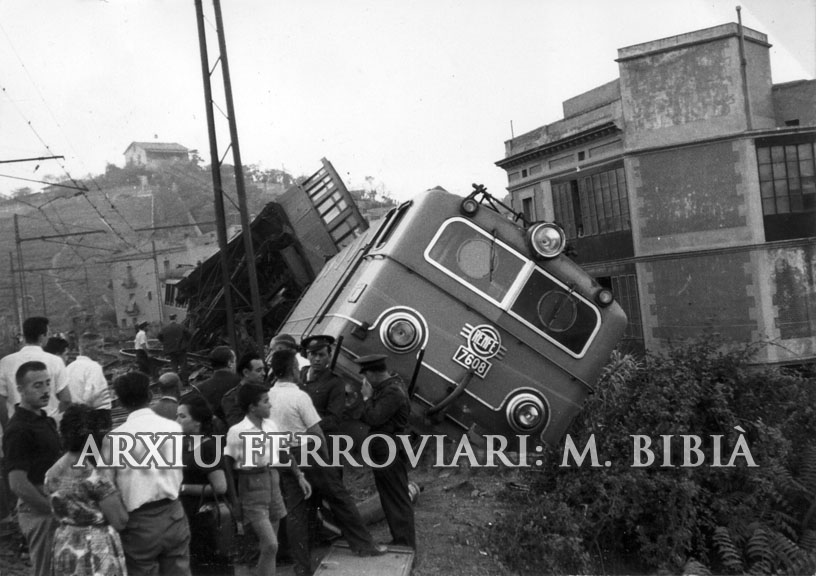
(475, 259)
(513, 282)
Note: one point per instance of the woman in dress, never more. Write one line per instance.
(204, 479)
(85, 502)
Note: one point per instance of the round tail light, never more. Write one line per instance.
(526, 413)
(604, 297)
(547, 240)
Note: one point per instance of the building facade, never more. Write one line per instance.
(688, 186)
(144, 282)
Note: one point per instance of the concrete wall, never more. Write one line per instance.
(795, 101)
(690, 197)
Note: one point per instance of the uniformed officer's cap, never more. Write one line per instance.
(315, 343)
(373, 362)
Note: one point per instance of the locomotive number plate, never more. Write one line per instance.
(465, 357)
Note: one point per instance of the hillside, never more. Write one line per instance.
(68, 278)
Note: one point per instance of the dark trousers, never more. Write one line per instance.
(327, 484)
(392, 485)
(178, 364)
(156, 540)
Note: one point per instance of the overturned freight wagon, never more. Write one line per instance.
(292, 238)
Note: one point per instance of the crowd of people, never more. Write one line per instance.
(82, 513)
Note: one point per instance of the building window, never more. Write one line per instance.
(527, 209)
(593, 204)
(787, 186)
(513, 176)
(524, 173)
(786, 178)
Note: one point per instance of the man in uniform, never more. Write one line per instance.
(223, 379)
(326, 389)
(386, 410)
(175, 338)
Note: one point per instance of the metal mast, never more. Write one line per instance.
(216, 162)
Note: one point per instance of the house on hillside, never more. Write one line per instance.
(155, 154)
(688, 186)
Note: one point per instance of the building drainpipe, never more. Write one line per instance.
(744, 71)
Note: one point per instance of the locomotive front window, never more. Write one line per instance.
(557, 312)
(475, 258)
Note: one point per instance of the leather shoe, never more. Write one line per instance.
(375, 550)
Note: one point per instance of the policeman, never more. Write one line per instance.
(326, 390)
(386, 412)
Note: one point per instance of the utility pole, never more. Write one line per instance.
(218, 190)
(42, 289)
(17, 316)
(239, 177)
(255, 295)
(159, 295)
(18, 242)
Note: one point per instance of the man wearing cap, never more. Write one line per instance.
(175, 338)
(326, 389)
(386, 411)
(223, 379)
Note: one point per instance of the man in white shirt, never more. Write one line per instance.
(292, 408)
(35, 334)
(86, 380)
(157, 537)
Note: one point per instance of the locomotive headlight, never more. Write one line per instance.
(547, 240)
(469, 206)
(526, 412)
(401, 332)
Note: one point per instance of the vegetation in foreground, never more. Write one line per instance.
(677, 519)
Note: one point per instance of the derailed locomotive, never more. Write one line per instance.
(494, 330)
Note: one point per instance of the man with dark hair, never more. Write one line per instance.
(175, 338)
(31, 446)
(223, 379)
(292, 409)
(169, 387)
(58, 346)
(251, 370)
(386, 412)
(258, 481)
(157, 536)
(35, 333)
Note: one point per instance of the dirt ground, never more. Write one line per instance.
(453, 512)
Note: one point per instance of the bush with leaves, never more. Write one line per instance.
(730, 518)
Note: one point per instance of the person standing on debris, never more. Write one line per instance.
(169, 387)
(86, 379)
(175, 338)
(223, 379)
(262, 505)
(156, 539)
(386, 412)
(294, 411)
(35, 333)
(31, 446)
(142, 353)
(252, 370)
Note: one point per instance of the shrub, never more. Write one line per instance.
(728, 518)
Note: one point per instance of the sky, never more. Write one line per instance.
(411, 94)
